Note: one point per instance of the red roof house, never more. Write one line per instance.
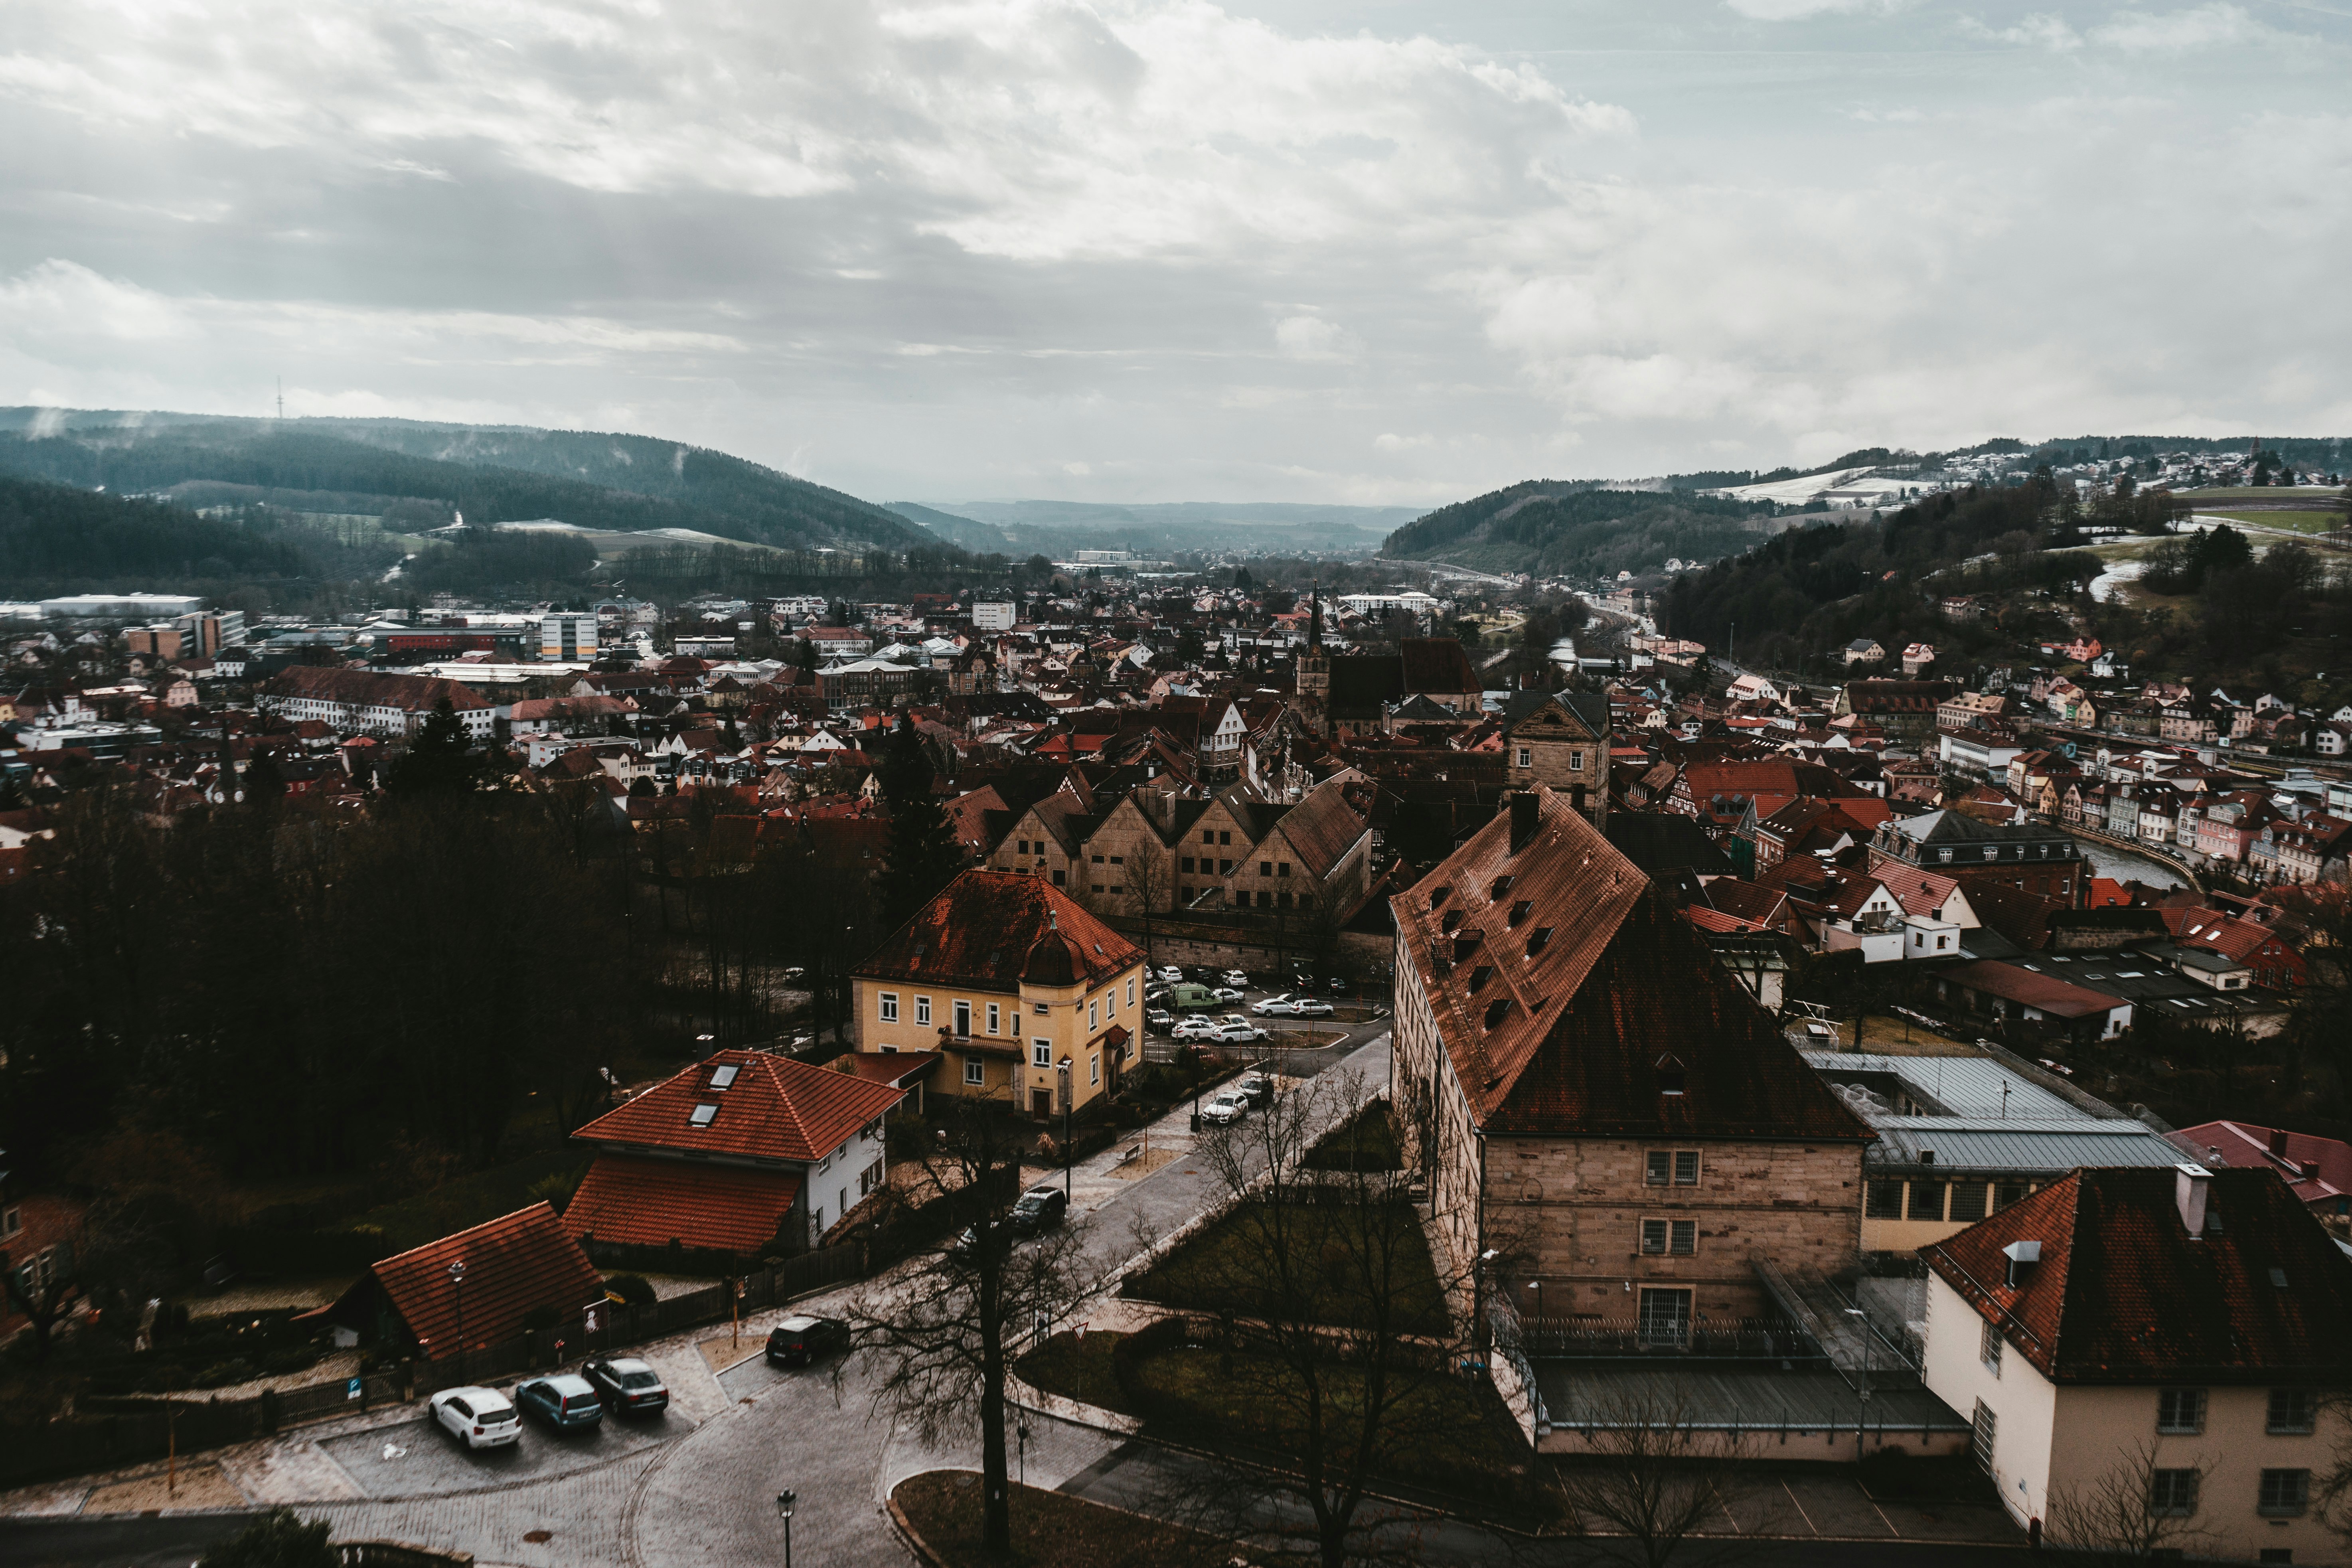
(513, 1267)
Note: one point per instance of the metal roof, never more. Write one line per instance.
(2031, 1130)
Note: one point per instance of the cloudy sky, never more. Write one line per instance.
(1342, 250)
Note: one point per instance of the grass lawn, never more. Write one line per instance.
(1222, 1267)
(1368, 1142)
(2293, 521)
(464, 1201)
(1077, 1368)
(1050, 1529)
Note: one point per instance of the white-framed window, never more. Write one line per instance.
(1670, 1238)
(2180, 1411)
(1094, 1014)
(1131, 990)
(2291, 1410)
(922, 1009)
(1093, 1069)
(12, 1220)
(1576, 761)
(975, 1071)
(1041, 1053)
(889, 1000)
(1525, 757)
(1988, 1347)
(1672, 1167)
(964, 1017)
(995, 1022)
(1041, 1008)
(2173, 1493)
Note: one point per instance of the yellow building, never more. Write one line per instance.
(1009, 978)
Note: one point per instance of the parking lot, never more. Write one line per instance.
(1296, 1047)
(418, 1459)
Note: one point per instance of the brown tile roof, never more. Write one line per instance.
(2031, 988)
(892, 1068)
(513, 1265)
(367, 689)
(776, 1110)
(1584, 1036)
(1437, 664)
(993, 930)
(2124, 1294)
(650, 1203)
(1322, 828)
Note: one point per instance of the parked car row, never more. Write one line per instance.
(1230, 1029)
(1170, 975)
(562, 1401)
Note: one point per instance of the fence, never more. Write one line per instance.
(397, 1555)
(114, 1430)
(1742, 1339)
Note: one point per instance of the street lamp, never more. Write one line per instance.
(457, 1288)
(1863, 1409)
(1069, 1087)
(784, 1501)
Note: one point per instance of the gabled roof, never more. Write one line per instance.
(1586, 1036)
(1588, 709)
(2240, 1143)
(775, 1110)
(995, 929)
(1437, 664)
(651, 1203)
(1322, 829)
(2123, 1293)
(514, 1265)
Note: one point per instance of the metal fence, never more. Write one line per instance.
(1739, 1338)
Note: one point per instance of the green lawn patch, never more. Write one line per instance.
(1225, 1269)
(465, 1201)
(1050, 1529)
(2293, 521)
(1368, 1142)
(1077, 1367)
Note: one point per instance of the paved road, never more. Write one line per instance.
(696, 1488)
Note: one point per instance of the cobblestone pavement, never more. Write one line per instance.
(698, 1488)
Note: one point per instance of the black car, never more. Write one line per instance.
(1257, 1089)
(627, 1386)
(1040, 1209)
(802, 1341)
(1338, 988)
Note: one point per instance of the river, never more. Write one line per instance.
(2124, 865)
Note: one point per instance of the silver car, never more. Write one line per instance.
(1226, 1109)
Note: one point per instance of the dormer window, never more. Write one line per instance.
(703, 1115)
(1502, 885)
(1537, 939)
(1438, 897)
(1452, 918)
(1479, 976)
(1497, 1010)
(723, 1078)
(1671, 1076)
(1520, 909)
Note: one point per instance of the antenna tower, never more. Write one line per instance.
(282, 398)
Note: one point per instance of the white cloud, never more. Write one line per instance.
(2207, 26)
(1799, 10)
(1312, 338)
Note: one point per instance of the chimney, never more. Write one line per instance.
(1526, 812)
(2278, 1142)
(2023, 1257)
(2190, 1186)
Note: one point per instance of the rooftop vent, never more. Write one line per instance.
(1464, 946)
(1479, 976)
(2023, 1257)
(703, 1115)
(2278, 1279)
(1927, 1156)
(1497, 1010)
(2191, 1188)
(1536, 940)
(1502, 885)
(724, 1077)
(1519, 910)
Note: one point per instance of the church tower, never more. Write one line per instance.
(1315, 670)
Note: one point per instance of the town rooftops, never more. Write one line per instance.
(745, 1105)
(645, 1202)
(2124, 1293)
(2318, 1170)
(369, 688)
(1573, 1000)
(994, 931)
(514, 1264)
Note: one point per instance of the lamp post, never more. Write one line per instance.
(457, 1288)
(784, 1502)
(1861, 1410)
(1069, 1089)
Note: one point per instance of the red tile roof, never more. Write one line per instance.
(993, 930)
(776, 1110)
(1583, 1038)
(2029, 988)
(513, 1265)
(892, 1068)
(2124, 1294)
(2287, 1153)
(651, 1203)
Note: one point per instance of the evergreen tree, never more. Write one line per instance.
(279, 1538)
(264, 784)
(437, 761)
(923, 855)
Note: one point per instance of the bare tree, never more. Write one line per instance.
(1337, 1336)
(1656, 1487)
(2135, 1510)
(940, 1337)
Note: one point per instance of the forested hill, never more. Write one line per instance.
(1549, 528)
(61, 538)
(622, 483)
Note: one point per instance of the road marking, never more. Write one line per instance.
(1800, 1508)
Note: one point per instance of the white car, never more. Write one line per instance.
(1226, 994)
(1311, 1008)
(1237, 1034)
(1226, 1109)
(1195, 1028)
(1170, 975)
(478, 1417)
(1235, 977)
(1279, 1006)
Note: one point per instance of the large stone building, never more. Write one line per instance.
(357, 701)
(1009, 977)
(2033, 857)
(1591, 1098)
(1559, 740)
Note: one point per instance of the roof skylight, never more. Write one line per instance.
(703, 1115)
(723, 1077)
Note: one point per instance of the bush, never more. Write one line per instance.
(556, 1189)
(539, 1318)
(279, 1538)
(634, 1289)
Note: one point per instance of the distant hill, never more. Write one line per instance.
(1059, 527)
(59, 537)
(1580, 528)
(619, 483)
